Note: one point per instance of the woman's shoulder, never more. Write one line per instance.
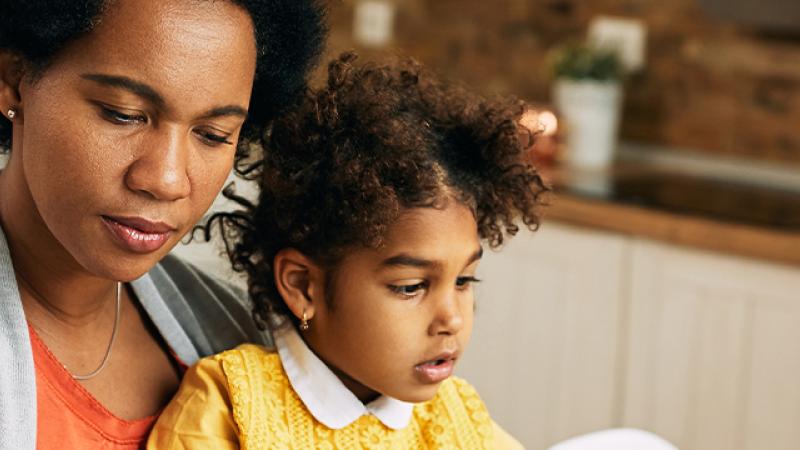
(212, 313)
(175, 271)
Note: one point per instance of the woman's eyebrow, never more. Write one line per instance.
(229, 110)
(129, 84)
(148, 93)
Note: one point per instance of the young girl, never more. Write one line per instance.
(361, 257)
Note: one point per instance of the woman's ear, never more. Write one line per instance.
(299, 281)
(11, 70)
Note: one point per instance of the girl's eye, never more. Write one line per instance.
(408, 290)
(213, 139)
(464, 282)
(114, 116)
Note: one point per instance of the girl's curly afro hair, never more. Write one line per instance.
(338, 170)
(290, 35)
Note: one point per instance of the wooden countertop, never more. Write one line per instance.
(758, 237)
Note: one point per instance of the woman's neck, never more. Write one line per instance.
(71, 302)
(53, 286)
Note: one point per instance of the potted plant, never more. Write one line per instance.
(588, 95)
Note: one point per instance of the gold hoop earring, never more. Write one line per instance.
(12, 113)
(304, 322)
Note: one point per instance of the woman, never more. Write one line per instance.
(122, 119)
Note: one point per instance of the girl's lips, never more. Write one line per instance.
(435, 371)
(138, 235)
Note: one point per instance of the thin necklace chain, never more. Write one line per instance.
(103, 363)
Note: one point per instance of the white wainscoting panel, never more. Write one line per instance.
(713, 350)
(545, 353)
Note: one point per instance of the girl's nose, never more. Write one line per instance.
(161, 170)
(448, 319)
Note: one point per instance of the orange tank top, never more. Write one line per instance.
(69, 417)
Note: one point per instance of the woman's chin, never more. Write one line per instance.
(121, 266)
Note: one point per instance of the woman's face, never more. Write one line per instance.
(127, 137)
(400, 316)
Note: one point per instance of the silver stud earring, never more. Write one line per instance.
(11, 114)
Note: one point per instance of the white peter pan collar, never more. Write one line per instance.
(325, 396)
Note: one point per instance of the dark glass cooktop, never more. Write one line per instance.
(709, 198)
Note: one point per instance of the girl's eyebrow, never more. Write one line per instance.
(476, 256)
(404, 259)
(407, 260)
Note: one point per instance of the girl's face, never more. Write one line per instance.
(126, 139)
(400, 316)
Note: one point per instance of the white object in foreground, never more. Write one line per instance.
(617, 439)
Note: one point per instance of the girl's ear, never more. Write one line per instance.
(11, 70)
(299, 281)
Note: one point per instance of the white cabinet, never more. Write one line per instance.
(713, 350)
(578, 330)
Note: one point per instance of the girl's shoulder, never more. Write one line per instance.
(258, 391)
(251, 362)
(219, 387)
(249, 371)
(252, 372)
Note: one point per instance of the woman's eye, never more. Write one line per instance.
(114, 116)
(214, 139)
(463, 282)
(408, 290)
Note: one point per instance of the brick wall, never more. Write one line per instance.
(708, 85)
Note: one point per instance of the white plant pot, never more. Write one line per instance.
(590, 111)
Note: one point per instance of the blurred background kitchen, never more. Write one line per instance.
(662, 291)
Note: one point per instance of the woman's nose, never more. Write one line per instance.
(161, 170)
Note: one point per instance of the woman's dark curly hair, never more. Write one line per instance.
(290, 35)
(340, 168)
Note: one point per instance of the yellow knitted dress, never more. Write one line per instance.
(242, 398)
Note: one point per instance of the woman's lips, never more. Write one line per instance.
(138, 235)
(435, 370)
